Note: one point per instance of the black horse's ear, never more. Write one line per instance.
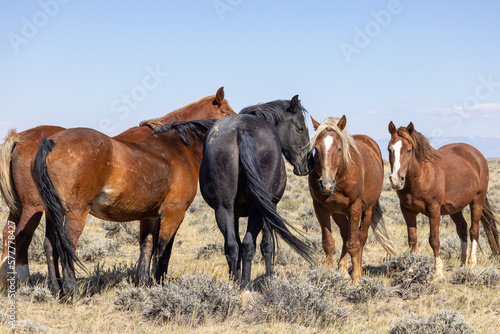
(316, 124)
(392, 128)
(294, 102)
(342, 123)
(410, 128)
(219, 96)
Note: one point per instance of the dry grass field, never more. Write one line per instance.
(396, 295)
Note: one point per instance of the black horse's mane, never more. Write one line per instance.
(196, 127)
(273, 112)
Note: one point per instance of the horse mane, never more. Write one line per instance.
(347, 140)
(184, 128)
(273, 112)
(156, 122)
(424, 152)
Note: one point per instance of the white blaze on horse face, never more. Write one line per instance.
(327, 141)
(397, 162)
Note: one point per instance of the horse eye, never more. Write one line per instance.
(340, 149)
(299, 128)
(409, 150)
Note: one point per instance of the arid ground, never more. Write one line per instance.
(396, 295)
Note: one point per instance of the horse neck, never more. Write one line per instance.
(184, 113)
(415, 171)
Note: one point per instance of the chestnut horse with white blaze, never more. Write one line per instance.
(441, 182)
(19, 191)
(345, 184)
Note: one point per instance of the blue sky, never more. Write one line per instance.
(72, 63)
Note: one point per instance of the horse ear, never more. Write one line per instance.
(294, 102)
(392, 128)
(315, 123)
(410, 128)
(219, 96)
(341, 124)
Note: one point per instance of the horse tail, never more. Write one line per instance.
(262, 199)
(490, 223)
(7, 186)
(380, 230)
(53, 206)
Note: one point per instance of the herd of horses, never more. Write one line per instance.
(151, 173)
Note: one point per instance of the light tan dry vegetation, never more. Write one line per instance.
(111, 253)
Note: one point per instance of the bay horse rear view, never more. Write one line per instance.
(21, 196)
(243, 174)
(441, 182)
(345, 184)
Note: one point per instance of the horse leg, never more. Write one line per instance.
(434, 221)
(171, 219)
(267, 249)
(224, 216)
(366, 221)
(49, 244)
(343, 224)
(255, 224)
(75, 222)
(411, 224)
(326, 231)
(461, 225)
(146, 246)
(8, 230)
(476, 211)
(30, 219)
(353, 244)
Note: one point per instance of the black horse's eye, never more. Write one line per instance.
(299, 128)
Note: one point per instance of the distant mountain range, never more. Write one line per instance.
(489, 146)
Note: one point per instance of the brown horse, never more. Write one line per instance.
(345, 184)
(20, 193)
(81, 171)
(441, 182)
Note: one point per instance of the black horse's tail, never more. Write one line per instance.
(262, 199)
(490, 223)
(53, 206)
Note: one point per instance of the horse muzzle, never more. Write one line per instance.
(397, 182)
(327, 186)
(304, 166)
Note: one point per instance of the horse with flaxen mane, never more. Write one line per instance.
(441, 182)
(243, 175)
(345, 184)
(116, 181)
(20, 193)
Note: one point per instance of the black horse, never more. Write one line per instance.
(243, 174)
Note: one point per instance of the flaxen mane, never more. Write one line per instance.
(347, 140)
(424, 152)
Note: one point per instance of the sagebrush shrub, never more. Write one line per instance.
(298, 299)
(489, 276)
(189, 299)
(442, 322)
(367, 288)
